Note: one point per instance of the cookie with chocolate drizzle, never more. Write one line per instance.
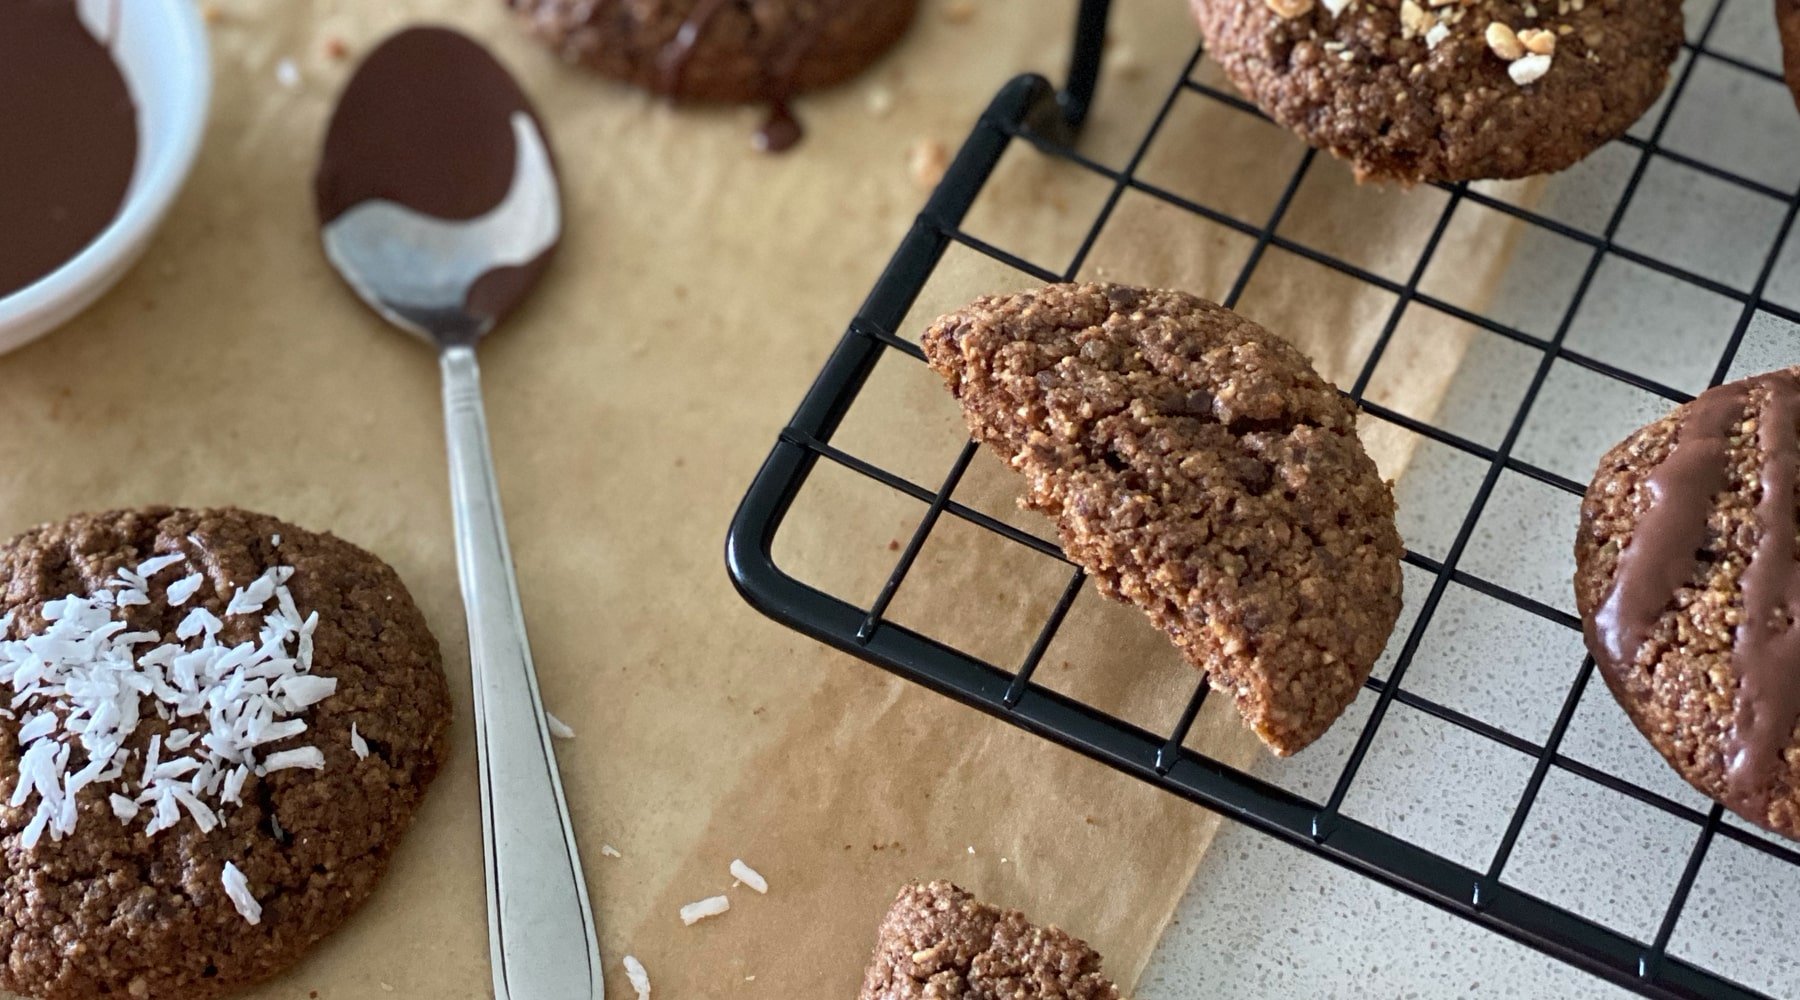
(1787, 23)
(723, 50)
(1689, 591)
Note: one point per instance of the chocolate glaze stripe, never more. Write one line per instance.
(1658, 558)
(1766, 654)
(678, 52)
(780, 131)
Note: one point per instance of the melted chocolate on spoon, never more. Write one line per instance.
(426, 122)
(68, 139)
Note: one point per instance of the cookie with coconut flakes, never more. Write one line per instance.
(221, 726)
(1442, 90)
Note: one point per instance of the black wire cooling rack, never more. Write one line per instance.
(1029, 109)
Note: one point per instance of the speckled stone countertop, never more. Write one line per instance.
(1262, 920)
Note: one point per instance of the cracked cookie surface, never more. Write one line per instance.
(110, 911)
(1199, 468)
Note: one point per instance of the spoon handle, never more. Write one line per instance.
(540, 928)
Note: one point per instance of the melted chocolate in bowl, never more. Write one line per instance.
(68, 139)
(426, 122)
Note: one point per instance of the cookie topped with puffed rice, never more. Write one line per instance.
(1448, 90)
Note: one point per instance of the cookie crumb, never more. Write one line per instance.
(1125, 62)
(1413, 19)
(881, 101)
(928, 162)
(336, 48)
(1289, 9)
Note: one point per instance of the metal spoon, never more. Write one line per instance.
(449, 280)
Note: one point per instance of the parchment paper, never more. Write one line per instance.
(699, 287)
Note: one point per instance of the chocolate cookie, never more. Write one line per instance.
(1422, 90)
(939, 941)
(1199, 468)
(1689, 590)
(720, 50)
(219, 727)
(1787, 23)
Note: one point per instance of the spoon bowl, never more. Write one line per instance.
(438, 204)
(437, 278)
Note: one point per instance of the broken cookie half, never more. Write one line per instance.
(1198, 467)
(939, 941)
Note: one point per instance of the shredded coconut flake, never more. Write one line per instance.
(610, 851)
(1335, 7)
(150, 567)
(711, 906)
(83, 683)
(639, 979)
(308, 757)
(183, 590)
(559, 728)
(238, 888)
(37, 727)
(302, 690)
(287, 73)
(198, 621)
(252, 597)
(357, 744)
(748, 875)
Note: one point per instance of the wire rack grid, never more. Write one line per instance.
(1031, 110)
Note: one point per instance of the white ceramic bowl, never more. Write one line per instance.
(161, 49)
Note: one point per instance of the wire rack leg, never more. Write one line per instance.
(1077, 95)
